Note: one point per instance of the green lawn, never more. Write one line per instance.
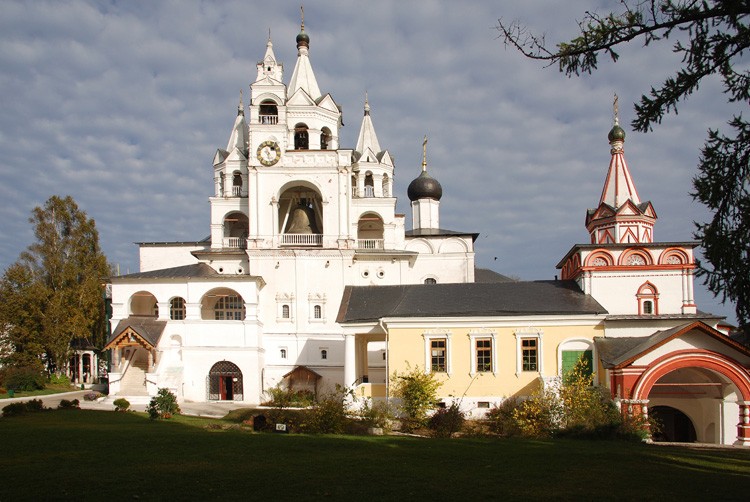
(125, 456)
(48, 390)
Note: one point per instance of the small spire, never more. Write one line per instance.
(616, 108)
(269, 36)
(367, 105)
(303, 40)
(424, 154)
(240, 106)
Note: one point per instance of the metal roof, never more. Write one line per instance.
(370, 303)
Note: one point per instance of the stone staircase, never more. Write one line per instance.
(133, 382)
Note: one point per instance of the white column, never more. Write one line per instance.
(350, 360)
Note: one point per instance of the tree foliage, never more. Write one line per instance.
(418, 393)
(52, 294)
(712, 38)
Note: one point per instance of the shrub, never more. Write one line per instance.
(15, 409)
(281, 397)
(92, 396)
(328, 414)
(35, 405)
(121, 404)
(500, 418)
(163, 405)
(586, 408)
(69, 405)
(447, 421)
(377, 414)
(56, 379)
(26, 378)
(418, 393)
(540, 416)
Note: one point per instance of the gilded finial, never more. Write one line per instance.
(302, 10)
(424, 154)
(367, 105)
(240, 106)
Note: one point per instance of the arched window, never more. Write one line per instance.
(324, 354)
(229, 308)
(285, 312)
(301, 137)
(430, 280)
(237, 184)
(369, 186)
(269, 113)
(155, 310)
(282, 353)
(648, 299)
(386, 186)
(177, 309)
(317, 312)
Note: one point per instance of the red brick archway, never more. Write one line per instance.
(705, 359)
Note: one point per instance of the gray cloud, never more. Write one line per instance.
(122, 105)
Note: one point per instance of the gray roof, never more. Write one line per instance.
(147, 327)
(431, 232)
(195, 270)
(487, 275)
(370, 303)
(616, 352)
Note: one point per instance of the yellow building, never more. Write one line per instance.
(485, 342)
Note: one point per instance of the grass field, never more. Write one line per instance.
(117, 456)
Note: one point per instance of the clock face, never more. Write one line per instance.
(269, 153)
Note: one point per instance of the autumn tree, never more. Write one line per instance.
(52, 294)
(712, 36)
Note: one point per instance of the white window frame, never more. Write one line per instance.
(317, 300)
(437, 335)
(526, 334)
(473, 337)
(282, 300)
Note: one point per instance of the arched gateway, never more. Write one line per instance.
(691, 368)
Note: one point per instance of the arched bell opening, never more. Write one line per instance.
(301, 217)
(325, 138)
(236, 227)
(370, 230)
(301, 137)
(269, 113)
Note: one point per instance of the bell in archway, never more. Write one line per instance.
(301, 221)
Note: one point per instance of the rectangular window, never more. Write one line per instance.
(484, 354)
(438, 354)
(529, 354)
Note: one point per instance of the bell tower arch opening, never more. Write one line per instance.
(301, 215)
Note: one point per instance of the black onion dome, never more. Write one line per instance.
(617, 133)
(303, 39)
(424, 186)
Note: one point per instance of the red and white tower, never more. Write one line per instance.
(621, 217)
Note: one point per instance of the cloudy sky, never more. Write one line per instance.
(122, 104)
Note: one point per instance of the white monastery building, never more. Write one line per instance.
(310, 277)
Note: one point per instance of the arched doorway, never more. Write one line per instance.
(225, 382)
(673, 425)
